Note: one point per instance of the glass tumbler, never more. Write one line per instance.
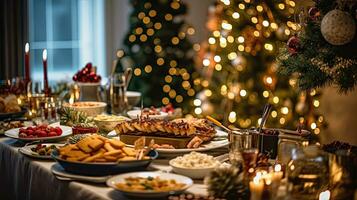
(243, 148)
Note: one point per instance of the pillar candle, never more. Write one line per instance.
(256, 188)
(45, 79)
(27, 62)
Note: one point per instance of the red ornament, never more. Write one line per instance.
(87, 74)
(293, 44)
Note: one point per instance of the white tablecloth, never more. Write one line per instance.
(25, 178)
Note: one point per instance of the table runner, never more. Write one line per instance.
(23, 178)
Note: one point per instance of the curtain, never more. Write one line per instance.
(13, 36)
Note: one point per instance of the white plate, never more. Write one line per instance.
(150, 194)
(27, 150)
(14, 133)
(204, 147)
(134, 114)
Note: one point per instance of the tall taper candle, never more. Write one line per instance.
(27, 62)
(45, 79)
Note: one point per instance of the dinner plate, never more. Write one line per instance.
(220, 140)
(150, 194)
(27, 150)
(14, 133)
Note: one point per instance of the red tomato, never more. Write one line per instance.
(42, 134)
(52, 134)
(30, 132)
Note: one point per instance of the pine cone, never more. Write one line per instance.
(228, 183)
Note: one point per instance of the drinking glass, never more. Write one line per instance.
(118, 98)
(243, 148)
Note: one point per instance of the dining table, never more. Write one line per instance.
(23, 177)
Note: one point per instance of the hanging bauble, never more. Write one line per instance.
(314, 13)
(293, 44)
(338, 27)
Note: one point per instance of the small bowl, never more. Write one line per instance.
(133, 97)
(108, 124)
(195, 173)
(133, 114)
(93, 110)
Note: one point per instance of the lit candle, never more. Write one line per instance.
(256, 188)
(27, 62)
(278, 174)
(44, 58)
(325, 195)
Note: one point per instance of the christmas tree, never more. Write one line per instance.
(161, 53)
(238, 63)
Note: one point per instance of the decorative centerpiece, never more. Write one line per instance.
(88, 82)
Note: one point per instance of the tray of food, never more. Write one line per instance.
(41, 150)
(41, 132)
(9, 108)
(108, 122)
(175, 136)
(91, 108)
(149, 184)
(97, 155)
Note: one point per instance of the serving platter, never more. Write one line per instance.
(59, 171)
(103, 168)
(27, 150)
(111, 182)
(14, 133)
(213, 144)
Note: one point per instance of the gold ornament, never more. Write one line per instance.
(338, 27)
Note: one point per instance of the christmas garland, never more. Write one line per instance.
(324, 52)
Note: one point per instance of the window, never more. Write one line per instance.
(72, 32)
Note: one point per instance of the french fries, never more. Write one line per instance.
(96, 148)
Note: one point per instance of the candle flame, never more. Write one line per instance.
(44, 54)
(325, 195)
(27, 47)
(277, 168)
(256, 179)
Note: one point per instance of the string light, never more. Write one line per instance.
(276, 100)
(265, 94)
(197, 102)
(226, 2)
(217, 58)
(268, 47)
(168, 17)
(191, 31)
(137, 71)
(179, 98)
(313, 125)
(148, 68)
(216, 33)
(235, 15)
(285, 110)
(160, 61)
(240, 39)
(198, 111)
(211, 40)
(166, 88)
(218, 67)
(206, 62)
(243, 93)
(226, 25)
(316, 103)
(259, 8)
(165, 100)
(232, 117)
(173, 63)
(274, 114)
